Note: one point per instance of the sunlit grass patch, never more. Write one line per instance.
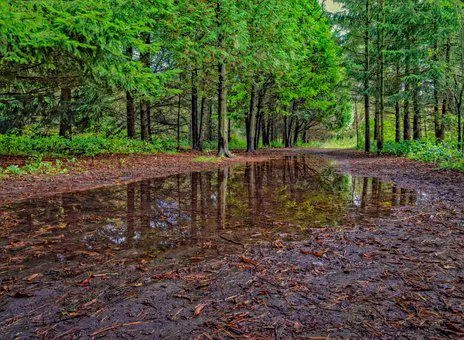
(207, 159)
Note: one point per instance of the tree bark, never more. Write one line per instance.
(65, 112)
(367, 136)
(417, 130)
(223, 135)
(194, 113)
(250, 120)
(398, 107)
(130, 114)
(380, 139)
(406, 113)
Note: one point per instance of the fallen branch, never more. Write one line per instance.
(231, 241)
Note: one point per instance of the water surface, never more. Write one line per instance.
(187, 216)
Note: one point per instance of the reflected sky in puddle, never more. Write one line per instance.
(276, 199)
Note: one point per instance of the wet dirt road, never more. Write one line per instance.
(332, 244)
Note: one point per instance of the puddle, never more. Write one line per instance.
(185, 216)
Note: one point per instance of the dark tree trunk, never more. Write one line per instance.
(380, 139)
(130, 107)
(202, 124)
(223, 131)
(398, 108)
(417, 131)
(65, 112)
(223, 136)
(367, 135)
(250, 120)
(194, 113)
(144, 112)
(406, 112)
(296, 132)
(210, 122)
(130, 114)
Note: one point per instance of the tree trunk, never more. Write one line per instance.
(144, 111)
(367, 137)
(296, 132)
(130, 107)
(145, 128)
(223, 135)
(223, 138)
(417, 131)
(194, 113)
(250, 120)
(381, 134)
(65, 112)
(406, 113)
(130, 114)
(202, 124)
(398, 108)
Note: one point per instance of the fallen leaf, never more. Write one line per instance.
(32, 277)
(248, 261)
(86, 282)
(199, 309)
(315, 253)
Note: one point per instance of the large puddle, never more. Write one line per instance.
(187, 216)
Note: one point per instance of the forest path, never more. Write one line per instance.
(103, 171)
(286, 247)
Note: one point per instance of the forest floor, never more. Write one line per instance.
(382, 277)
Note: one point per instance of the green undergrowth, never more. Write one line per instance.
(83, 145)
(35, 166)
(446, 156)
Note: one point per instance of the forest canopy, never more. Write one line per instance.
(160, 69)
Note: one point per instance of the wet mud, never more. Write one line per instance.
(315, 244)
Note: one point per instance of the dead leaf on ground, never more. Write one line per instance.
(199, 309)
(248, 261)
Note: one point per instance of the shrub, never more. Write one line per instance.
(444, 155)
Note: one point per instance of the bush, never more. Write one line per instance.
(445, 155)
(85, 145)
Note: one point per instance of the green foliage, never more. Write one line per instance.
(34, 166)
(444, 155)
(79, 146)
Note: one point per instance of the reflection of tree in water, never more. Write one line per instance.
(187, 210)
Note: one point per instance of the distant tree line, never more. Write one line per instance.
(183, 68)
(405, 60)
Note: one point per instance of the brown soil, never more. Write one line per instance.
(379, 277)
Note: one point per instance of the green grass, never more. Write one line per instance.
(207, 159)
(446, 156)
(333, 143)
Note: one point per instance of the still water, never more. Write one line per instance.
(188, 214)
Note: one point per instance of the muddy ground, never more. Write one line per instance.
(399, 275)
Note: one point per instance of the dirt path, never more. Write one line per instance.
(391, 276)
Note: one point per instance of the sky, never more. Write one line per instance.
(331, 6)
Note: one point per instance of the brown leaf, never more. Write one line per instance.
(32, 277)
(199, 309)
(248, 261)
(86, 282)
